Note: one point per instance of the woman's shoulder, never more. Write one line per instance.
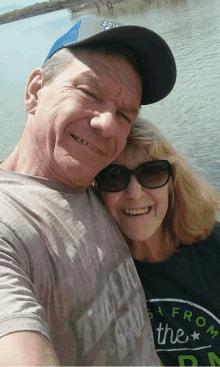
(216, 229)
(214, 237)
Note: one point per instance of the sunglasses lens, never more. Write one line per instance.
(113, 178)
(151, 175)
(155, 174)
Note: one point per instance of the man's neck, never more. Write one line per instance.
(11, 162)
(20, 160)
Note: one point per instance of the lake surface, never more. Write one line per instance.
(189, 116)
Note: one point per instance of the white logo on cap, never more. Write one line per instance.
(108, 25)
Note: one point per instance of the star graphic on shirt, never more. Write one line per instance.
(195, 336)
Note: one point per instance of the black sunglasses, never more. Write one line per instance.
(151, 175)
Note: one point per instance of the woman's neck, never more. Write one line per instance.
(152, 250)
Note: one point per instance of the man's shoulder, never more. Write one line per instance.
(28, 201)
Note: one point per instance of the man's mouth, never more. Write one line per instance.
(136, 211)
(84, 142)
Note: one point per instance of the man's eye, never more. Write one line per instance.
(89, 93)
(125, 117)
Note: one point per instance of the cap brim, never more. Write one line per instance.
(158, 68)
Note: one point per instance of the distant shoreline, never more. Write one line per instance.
(35, 10)
(108, 8)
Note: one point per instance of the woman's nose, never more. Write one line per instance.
(134, 189)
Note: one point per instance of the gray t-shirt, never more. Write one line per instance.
(66, 273)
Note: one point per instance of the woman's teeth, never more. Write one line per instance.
(136, 212)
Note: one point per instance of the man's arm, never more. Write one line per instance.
(26, 348)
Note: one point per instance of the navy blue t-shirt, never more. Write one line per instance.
(183, 299)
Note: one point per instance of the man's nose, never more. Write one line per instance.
(106, 123)
(135, 190)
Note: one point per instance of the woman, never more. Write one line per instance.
(166, 214)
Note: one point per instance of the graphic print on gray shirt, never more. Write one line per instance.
(66, 273)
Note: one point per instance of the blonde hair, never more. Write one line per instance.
(193, 201)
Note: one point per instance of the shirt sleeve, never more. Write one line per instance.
(19, 308)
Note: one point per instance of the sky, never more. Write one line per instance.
(9, 5)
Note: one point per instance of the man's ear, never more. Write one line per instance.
(32, 91)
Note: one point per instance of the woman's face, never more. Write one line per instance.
(137, 227)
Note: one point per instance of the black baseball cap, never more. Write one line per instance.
(157, 63)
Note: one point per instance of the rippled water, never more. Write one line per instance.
(189, 116)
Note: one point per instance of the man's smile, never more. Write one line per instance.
(84, 142)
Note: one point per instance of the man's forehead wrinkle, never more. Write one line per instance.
(112, 80)
(130, 89)
(89, 76)
(124, 103)
(127, 106)
(132, 109)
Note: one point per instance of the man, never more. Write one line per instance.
(69, 293)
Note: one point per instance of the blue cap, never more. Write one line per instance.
(157, 64)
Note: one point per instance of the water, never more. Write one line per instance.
(189, 116)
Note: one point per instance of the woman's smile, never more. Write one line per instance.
(136, 212)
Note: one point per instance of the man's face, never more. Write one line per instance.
(82, 119)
